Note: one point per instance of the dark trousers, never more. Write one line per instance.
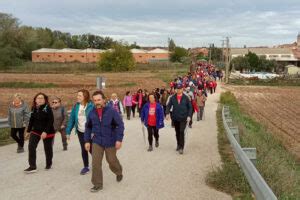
(211, 90)
(133, 110)
(48, 147)
(165, 108)
(152, 131)
(179, 128)
(63, 137)
(200, 113)
(18, 135)
(111, 158)
(84, 153)
(191, 122)
(128, 111)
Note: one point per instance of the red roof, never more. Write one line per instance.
(296, 53)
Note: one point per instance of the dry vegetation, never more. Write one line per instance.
(68, 84)
(277, 108)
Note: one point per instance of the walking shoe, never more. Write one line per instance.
(180, 151)
(156, 144)
(119, 178)
(65, 148)
(96, 189)
(20, 150)
(150, 148)
(48, 167)
(84, 171)
(30, 170)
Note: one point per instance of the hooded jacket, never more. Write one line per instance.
(18, 117)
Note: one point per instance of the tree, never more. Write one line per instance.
(28, 41)
(134, 46)
(179, 54)
(59, 44)
(253, 60)
(266, 65)
(45, 37)
(171, 45)
(201, 56)
(10, 39)
(240, 63)
(118, 59)
(216, 54)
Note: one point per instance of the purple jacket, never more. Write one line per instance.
(127, 101)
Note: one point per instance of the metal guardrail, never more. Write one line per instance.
(258, 185)
(4, 123)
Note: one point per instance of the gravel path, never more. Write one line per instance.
(161, 174)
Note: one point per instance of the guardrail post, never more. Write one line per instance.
(229, 121)
(246, 157)
(235, 131)
(251, 153)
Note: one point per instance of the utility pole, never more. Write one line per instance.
(227, 59)
(210, 48)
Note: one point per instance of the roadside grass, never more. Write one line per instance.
(5, 137)
(128, 84)
(78, 68)
(275, 163)
(26, 85)
(228, 178)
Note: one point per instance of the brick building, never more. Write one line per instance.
(93, 55)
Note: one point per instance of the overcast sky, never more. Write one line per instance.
(150, 22)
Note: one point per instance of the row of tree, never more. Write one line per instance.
(17, 41)
(252, 62)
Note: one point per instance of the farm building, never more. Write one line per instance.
(292, 70)
(93, 55)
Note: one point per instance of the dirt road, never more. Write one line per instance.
(161, 174)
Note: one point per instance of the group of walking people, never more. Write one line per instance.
(98, 121)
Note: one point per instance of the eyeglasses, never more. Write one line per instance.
(55, 102)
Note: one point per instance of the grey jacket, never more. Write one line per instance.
(18, 117)
(60, 115)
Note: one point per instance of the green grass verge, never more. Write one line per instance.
(229, 177)
(129, 84)
(26, 85)
(75, 68)
(276, 164)
(5, 137)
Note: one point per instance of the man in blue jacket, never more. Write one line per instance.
(106, 129)
(181, 115)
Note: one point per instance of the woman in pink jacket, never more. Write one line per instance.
(127, 102)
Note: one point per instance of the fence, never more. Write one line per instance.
(246, 158)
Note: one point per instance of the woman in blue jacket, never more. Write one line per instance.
(78, 120)
(153, 118)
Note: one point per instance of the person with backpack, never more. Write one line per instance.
(40, 127)
(105, 128)
(128, 104)
(18, 118)
(77, 120)
(181, 115)
(60, 115)
(153, 118)
(116, 104)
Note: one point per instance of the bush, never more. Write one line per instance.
(118, 60)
